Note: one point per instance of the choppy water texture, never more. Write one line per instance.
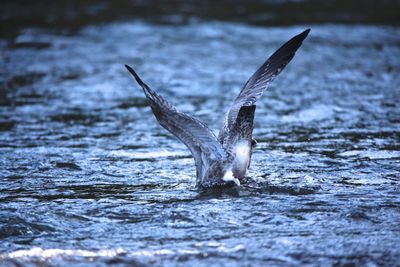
(88, 175)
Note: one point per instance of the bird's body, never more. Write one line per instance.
(226, 159)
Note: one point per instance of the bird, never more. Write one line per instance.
(223, 160)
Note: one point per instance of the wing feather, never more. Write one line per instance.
(260, 80)
(193, 133)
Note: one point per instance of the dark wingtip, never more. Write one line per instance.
(137, 78)
(303, 35)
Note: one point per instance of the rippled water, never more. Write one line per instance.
(88, 175)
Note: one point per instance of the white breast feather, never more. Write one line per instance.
(242, 152)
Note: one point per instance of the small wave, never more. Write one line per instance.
(380, 154)
(316, 112)
(137, 257)
(150, 155)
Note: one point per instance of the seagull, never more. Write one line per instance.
(223, 160)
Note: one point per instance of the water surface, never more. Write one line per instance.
(88, 175)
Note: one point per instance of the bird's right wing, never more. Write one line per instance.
(260, 80)
(193, 133)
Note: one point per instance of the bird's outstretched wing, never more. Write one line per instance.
(260, 80)
(193, 133)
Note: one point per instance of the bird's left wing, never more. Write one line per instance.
(193, 133)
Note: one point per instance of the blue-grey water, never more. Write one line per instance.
(87, 176)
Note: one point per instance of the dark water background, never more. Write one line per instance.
(87, 176)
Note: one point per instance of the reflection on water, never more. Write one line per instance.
(88, 176)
